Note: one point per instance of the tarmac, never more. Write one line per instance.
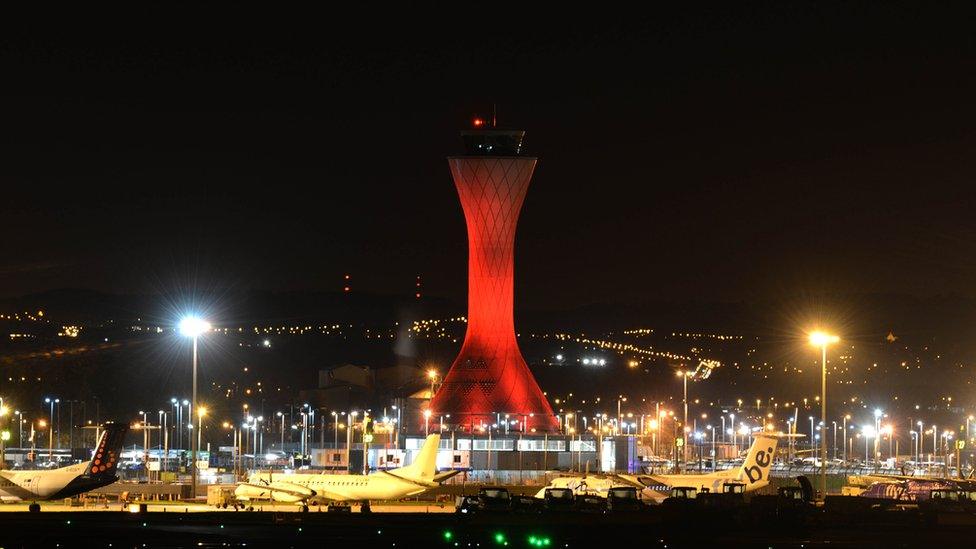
(185, 507)
(430, 525)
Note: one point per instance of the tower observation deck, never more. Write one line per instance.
(490, 376)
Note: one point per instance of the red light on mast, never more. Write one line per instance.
(478, 122)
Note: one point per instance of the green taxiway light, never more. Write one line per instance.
(499, 538)
(448, 535)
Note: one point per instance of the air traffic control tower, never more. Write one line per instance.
(489, 376)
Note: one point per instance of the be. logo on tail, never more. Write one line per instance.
(763, 459)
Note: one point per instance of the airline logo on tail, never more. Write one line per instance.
(106, 457)
(759, 461)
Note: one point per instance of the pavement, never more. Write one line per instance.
(178, 507)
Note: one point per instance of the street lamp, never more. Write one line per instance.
(868, 432)
(432, 375)
(822, 340)
(427, 422)
(50, 432)
(193, 327)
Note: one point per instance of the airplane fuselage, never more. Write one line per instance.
(52, 484)
(294, 488)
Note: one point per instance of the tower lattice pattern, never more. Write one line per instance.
(489, 375)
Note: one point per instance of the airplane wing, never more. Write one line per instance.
(275, 488)
(421, 484)
(295, 492)
(441, 477)
(629, 480)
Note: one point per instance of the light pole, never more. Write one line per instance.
(710, 428)
(735, 441)
(4, 435)
(846, 417)
(20, 428)
(201, 411)
(193, 327)
(620, 399)
(281, 415)
(50, 432)
(164, 442)
(833, 450)
(684, 448)
(335, 442)
(176, 422)
(812, 441)
(822, 340)
(188, 425)
(867, 432)
(427, 422)
(145, 441)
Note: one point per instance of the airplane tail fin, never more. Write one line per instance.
(424, 466)
(755, 469)
(105, 459)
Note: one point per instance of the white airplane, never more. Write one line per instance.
(418, 477)
(754, 474)
(67, 481)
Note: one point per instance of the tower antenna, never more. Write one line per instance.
(494, 115)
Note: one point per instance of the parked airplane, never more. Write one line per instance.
(905, 488)
(67, 481)
(754, 474)
(419, 476)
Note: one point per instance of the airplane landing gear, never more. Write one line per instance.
(364, 508)
(34, 507)
(304, 508)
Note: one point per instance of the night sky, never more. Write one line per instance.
(687, 155)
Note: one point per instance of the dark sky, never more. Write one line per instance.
(686, 155)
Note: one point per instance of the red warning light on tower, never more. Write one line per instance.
(418, 286)
(478, 122)
(347, 285)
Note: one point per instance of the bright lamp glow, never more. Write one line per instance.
(192, 326)
(821, 339)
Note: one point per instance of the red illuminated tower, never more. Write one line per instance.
(489, 376)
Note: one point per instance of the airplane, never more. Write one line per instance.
(418, 477)
(67, 481)
(754, 474)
